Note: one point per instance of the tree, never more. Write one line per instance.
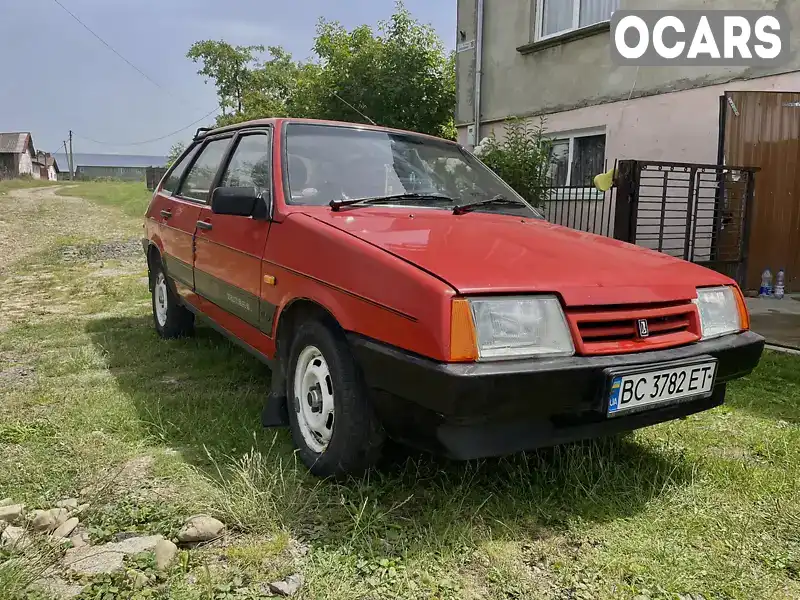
(175, 152)
(521, 158)
(400, 77)
(230, 67)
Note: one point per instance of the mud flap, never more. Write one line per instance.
(276, 413)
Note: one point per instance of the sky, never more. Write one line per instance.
(56, 76)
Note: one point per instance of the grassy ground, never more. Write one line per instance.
(130, 198)
(90, 397)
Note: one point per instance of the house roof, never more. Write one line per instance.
(13, 143)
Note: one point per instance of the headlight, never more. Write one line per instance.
(720, 311)
(520, 326)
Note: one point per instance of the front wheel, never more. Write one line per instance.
(333, 425)
(171, 319)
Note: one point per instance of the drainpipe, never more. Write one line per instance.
(478, 70)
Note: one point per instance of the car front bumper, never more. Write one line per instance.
(486, 409)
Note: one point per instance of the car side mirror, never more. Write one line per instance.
(240, 202)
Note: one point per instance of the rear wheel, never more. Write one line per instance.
(332, 422)
(171, 319)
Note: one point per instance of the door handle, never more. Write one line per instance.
(166, 214)
(204, 225)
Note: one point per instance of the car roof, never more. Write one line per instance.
(205, 132)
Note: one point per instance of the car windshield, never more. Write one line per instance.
(336, 163)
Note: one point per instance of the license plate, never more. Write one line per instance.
(660, 385)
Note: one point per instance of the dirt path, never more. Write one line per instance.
(53, 250)
(35, 219)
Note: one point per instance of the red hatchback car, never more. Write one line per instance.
(396, 286)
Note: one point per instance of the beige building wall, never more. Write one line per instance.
(679, 126)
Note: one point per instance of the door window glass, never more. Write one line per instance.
(250, 165)
(174, 178)
(200, 178)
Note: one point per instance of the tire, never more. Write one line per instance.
(171, 319)
(335, 430)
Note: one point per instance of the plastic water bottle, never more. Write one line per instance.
(780, 284)
(766, 283)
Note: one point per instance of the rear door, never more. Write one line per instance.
(229, 248)
(177, 218)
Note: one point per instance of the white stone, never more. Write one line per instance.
(165, 553)
(108, 558)
(287, 587)
(79, 540)
(66, 528)
(48, 520)
(14, 536)
(11, 513)
(6, 502)
(200, 528)
(93, 560)
(69, 503)
(134, 545)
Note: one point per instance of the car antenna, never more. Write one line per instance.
(355, 109)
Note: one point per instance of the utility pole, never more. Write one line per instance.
(69, 163)
(71, 158)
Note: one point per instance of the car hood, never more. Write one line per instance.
(482, 253)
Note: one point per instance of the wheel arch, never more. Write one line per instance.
(153, 258)
(295, 312)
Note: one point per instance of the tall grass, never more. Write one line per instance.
(23, 563)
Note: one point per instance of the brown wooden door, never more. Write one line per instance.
(762, 129)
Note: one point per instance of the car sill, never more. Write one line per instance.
(228, 335)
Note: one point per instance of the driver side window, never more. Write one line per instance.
(250, 164)
(198, 181)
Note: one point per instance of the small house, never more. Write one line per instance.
(48, 167)
(17, 156)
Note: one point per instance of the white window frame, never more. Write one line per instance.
(576, 21)
(570, 137)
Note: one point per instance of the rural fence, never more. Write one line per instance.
(697, 212)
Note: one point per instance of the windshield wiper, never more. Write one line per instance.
(337, 204)
(463, 209)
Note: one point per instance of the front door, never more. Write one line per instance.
(229, 249)
(762, 129)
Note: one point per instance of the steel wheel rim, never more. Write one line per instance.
(314, 399)
(160, 297)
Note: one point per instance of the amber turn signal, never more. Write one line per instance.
(741, 305)
(463, 342)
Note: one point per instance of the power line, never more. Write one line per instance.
(109, 46)
(158, 139)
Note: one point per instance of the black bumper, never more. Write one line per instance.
(491, 409)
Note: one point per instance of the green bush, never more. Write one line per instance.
(521, 158)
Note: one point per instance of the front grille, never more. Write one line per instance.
(615, 330)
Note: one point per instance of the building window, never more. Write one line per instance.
(574, 161)
(557, 17)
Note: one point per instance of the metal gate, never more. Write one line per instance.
(700, 213)
(697, 212)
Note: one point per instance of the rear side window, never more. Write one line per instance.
(250, 164)
(174, 178)
(200, 177)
